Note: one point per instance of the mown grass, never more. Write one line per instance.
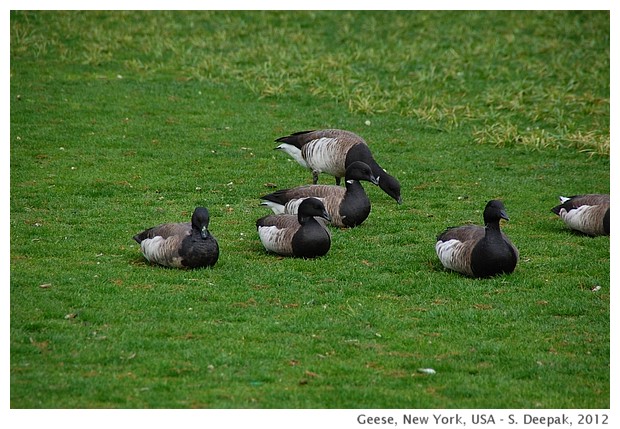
(148, 114)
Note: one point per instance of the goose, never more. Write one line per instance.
(588, 213)
(181, 245)
(479, 251)
(299, 235)
(331, 151)
(347, 207)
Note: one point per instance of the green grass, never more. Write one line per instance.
(123, 120)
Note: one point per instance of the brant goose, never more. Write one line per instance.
(181, 245)
(332, 151)
(478, 251)
(347, 208)
(298, 235)
(587, 213)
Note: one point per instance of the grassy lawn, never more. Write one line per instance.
(124, 120)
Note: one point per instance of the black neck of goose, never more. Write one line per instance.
(353, 185)
(492, 227)
(304, 219)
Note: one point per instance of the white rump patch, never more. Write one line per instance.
(275, 207)
(294, 153)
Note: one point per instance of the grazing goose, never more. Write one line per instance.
(479, 251)
(298, 235)
(587, 213)
(181, 245)
(347, 207)
(331, 152)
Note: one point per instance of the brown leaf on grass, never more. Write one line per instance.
(41, 345)
(45, 286)
(309, 375)
(483, 306)
(246, 304)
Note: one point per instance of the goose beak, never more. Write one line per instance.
(503, 215)
(399, 200)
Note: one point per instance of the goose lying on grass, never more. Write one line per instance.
(347, 207)
(588, 213)
(479, 251)
(181, 245)
(299, 235)
(332, 151)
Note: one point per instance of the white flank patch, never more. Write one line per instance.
(578, 218)
(292, 207)
(161, 251)
(272, 238)
(152, 247)
(294, 153)
(324, 155)
(451, 255)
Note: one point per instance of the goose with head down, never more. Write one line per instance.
(331, 151)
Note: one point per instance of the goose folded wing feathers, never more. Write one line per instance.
(165, 230)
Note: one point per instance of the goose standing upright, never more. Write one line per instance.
(479, 251)
(331, 151)
(299, 235)
(347, 207)
(181, 245)
(588, 213)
